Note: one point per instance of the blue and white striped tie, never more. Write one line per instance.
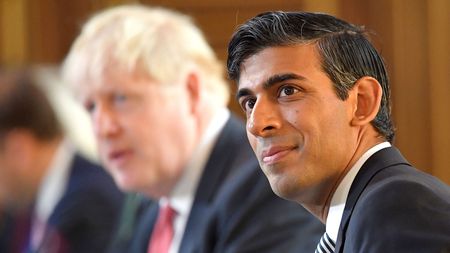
(326, 244)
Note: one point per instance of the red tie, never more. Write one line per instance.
(163, 231)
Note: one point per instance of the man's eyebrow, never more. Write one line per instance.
(278, 78)
(271, 81)
(242, 93)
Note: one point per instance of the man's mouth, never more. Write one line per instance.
(275, 154)
(119, 157)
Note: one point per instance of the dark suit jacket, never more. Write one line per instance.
(235, 210)
(85, 218)
(392, 207)
(14, 229)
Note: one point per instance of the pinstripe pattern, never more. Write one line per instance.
(326, 245)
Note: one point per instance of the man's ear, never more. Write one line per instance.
(193, 89)
(368, 94)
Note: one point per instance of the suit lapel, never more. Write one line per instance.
(377, 162)
(216, 169)
(142, 235)
(220, 160)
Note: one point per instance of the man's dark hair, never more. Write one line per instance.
(23, 105)
(345, 50)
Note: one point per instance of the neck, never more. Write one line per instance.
(367, 139)
(206, 114)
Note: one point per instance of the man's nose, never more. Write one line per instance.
(264, 119)
(105, 123)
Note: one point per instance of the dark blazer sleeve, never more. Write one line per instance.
(400, 210)
(400, 216)
(86, 217)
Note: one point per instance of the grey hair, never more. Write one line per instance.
(155, 41)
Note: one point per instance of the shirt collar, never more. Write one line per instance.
(51, 190)
(54, 181)
(340, 195)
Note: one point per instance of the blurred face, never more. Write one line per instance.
(145, 130)
(299, 129)
(8, 177)
(18, 181)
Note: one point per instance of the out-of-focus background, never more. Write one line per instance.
(413, 36)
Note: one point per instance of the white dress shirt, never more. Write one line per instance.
(51, 190)
(339, 198)
(182, 196)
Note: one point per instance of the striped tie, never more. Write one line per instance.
(326, 244)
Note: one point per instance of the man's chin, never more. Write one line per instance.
(285, 189)
(124, 183)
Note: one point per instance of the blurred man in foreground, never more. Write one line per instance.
(158, 102)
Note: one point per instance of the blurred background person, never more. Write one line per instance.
(157, 98)
(68, 203)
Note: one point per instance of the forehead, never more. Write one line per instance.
(300, 59)
(113, 79)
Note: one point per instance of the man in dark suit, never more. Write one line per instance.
(72, 204)
(234, 208)
(317, 100)
(158, 102)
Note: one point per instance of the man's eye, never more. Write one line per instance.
(247, 104)
(288, 90)
(89, 106)
(120, 98)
